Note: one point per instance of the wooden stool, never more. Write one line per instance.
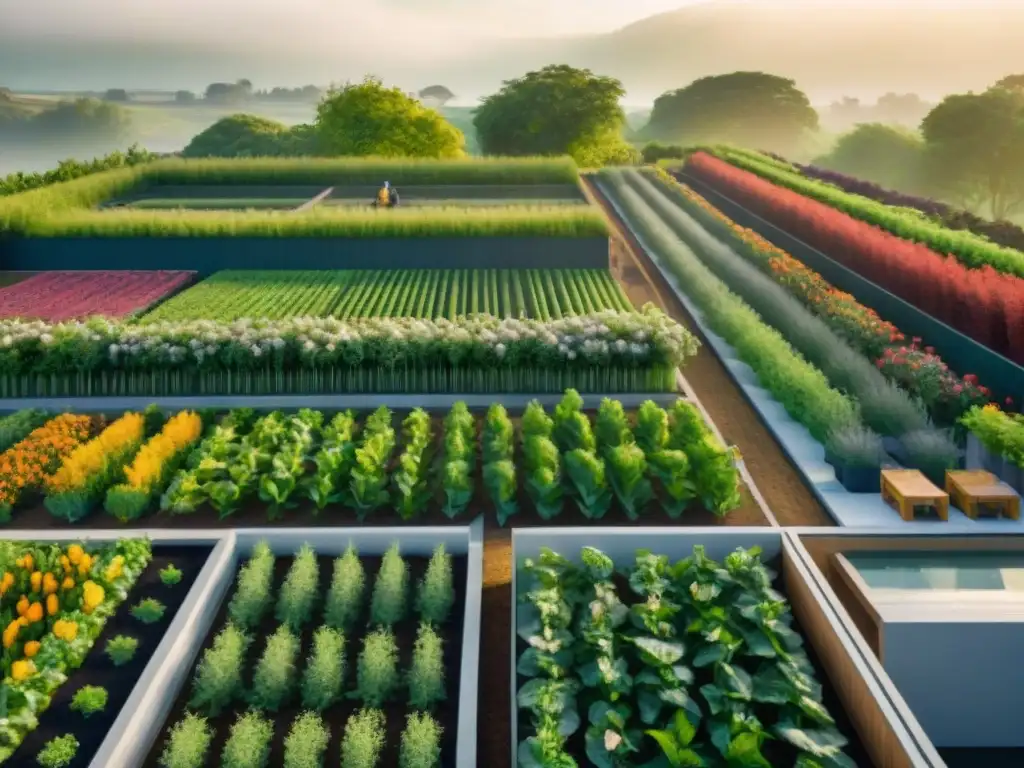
(972, 487)
(908, 488)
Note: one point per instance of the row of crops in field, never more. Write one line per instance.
(419, 293)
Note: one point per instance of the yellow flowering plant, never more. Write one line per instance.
(54, 601)
(153, 466)
(93, 467)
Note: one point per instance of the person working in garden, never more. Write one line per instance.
(387, 196)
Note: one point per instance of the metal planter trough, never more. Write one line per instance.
(854, 694)
(139, 735)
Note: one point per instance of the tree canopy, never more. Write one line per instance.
(885, 154)
(975, 150)
(437, 93)
(751, 109)
(368, 119)
(555, 111)
(251, 136)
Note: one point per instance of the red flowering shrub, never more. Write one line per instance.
(981, 303)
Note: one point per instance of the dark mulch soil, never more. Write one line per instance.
(253, 512)
(337, 716)
(776, 752)
(99, 670)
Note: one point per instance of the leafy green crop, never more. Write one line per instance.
(325, 670)
(253, 588)
(589, 482)
(248, 744)
(218, 679)
(364, 739)
(89, 699)
(572, 430)
(306, 742)
(411, 490)
(459, 459)
(369, 477)
(699, 665)
(626, 468)
(334, 461)
(377, 671)
(121, 649)
(436, 593)
(421, 742)
(149, 611)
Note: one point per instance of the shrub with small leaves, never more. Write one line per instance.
(325, 670)
(299, 592)
(58, 752)
(306, 743)
(218, 680)
(149, 611)
(275, 671)
(421, 742)
(121, 649)
(89, 699)
(170, 575)
(377, 671)
(253, 588)
(345, 597)
(364, 739)
(387, 607)
(248, 744)
(426, 675)
(188, 743)
(436, 594)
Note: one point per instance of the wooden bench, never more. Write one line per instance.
(971, 488)
(908, 488)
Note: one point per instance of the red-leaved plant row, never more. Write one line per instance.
(980, 303)
(59, 296)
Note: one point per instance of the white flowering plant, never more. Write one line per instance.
(101, 356)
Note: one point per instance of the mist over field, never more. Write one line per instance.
(831, 48)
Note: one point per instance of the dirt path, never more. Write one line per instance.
(779, 482)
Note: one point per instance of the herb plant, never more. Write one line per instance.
(121, 649)
(426, 675)
(436, 593)
(188, 743)
(252, 596)
(274, 678)
(345, 596)
(421, 742)
(325, 670)
(377, 671)
(248, 744)
(218, 679)
(58, 752)
(390, 590)
(89, 699)
(306, 742)
(300, 590)
(170, 575)
(364, 739)
(149, 611)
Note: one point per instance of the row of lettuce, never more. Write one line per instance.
(607, 352)
(851, 378)
(689, 662)
(253, 679)
(657, 458)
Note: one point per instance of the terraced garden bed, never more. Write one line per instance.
(564, 467)
(101, 609)
(327, 658)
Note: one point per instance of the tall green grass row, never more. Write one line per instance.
(512, 221)
(969, 249)
(802, 389)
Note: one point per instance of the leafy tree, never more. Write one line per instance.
(902, 108)
(745, 108)
(1014, 83)
(884, 154)
(654, 151)
(368, 119)
(250, 136)
(116, 94)
(229, 93)
(974, 151)
(184, 97)
(87, 119)
(438, 94)
(555, 111)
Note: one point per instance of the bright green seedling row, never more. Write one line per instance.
(344, 660)
(695, 663)
(426, 294)
(655, 458)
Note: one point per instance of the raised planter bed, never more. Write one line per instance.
(146, 733)
(165, 571)
(830, 655)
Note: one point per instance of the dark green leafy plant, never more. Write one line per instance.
(170, 575)
(89, 699)
(58, 752)
(149, 611)
(121, 649)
